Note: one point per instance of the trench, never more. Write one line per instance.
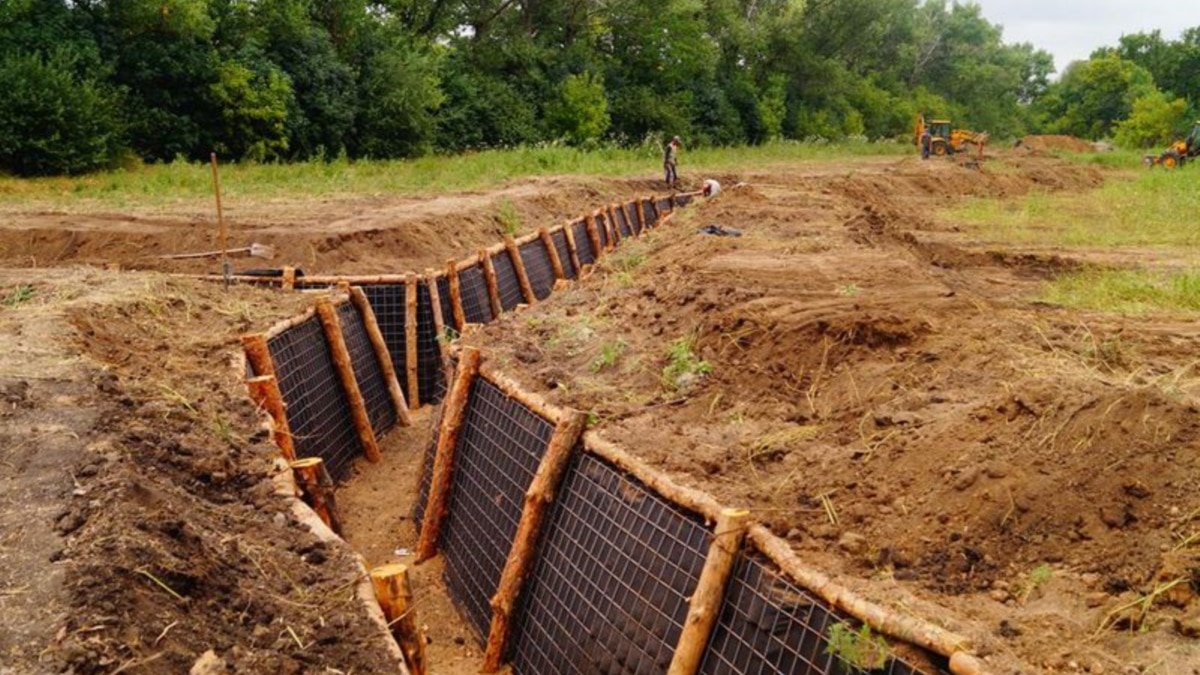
(610, 567)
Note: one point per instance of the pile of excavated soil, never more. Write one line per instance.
(898, 409)
(1055, 142)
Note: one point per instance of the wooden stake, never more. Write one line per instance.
(264, 391)
(689, 498)
(705, 606)
(442, 474)
(513, 390)
(340, 356)
(572, 248)
(289, 279)
(386, 366)
(541, 493)
(439, 326)
(635, 215)
(514, 254)
(594, 236)
(489, 275)
(396, 600)
(456, 305)
(555, 262)
(318, 490)
(258, 354)
(611, 218)
(410, 340)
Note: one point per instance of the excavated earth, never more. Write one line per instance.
(878, 385)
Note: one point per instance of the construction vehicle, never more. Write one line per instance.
(1179, 152)
(944, 139)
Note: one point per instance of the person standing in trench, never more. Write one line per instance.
(671, 162)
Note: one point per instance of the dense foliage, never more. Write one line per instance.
(91, 82)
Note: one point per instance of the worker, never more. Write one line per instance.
(926, 140)
(671, 162)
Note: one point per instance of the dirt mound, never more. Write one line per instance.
(1055, 142)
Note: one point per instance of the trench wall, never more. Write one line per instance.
(617, 560)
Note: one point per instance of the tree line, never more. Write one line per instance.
(92, 83)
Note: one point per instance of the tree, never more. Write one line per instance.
(400, 88)
(1154, 121)
(1094, 95)
(580, 111)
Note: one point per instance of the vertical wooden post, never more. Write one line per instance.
(396, 600)
(258, 354)
(514, 254)
(318, 490)
(264, 391)
(539, 496)
(340, 356)
(635, 218)
(386, 366)
(489, 276)
(594, 236)
(705, 606)
(289, 278)
(439, 326)
(460, 316)
(442, 474)
(639, 215)
(410, 339)
(611, 217)
(572, 247)
(555, 262)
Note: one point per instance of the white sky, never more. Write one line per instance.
(1071, 29)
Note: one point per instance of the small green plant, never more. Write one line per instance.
(1039, 577)
(448, 335)
(683, 366)
(849, 290)
(858, 648)
(610, 353)
(20, 294)
(508, 217)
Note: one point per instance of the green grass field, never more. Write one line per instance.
(180, 181)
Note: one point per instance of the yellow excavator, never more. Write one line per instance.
(944, 139)
(1179, 152)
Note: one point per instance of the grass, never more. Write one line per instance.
(182, 181)
(858, 648)
(19, 295)
(1126, 291)
(683, 365)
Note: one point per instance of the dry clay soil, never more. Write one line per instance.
(881, 388)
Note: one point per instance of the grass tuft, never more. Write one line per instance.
(1127, 291)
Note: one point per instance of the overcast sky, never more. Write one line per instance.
(1071, 29)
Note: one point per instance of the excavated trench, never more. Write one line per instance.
(562, 552)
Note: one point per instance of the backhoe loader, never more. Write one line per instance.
(1179, 152)
(944, 139)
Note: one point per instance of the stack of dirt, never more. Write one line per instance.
(1044, 143)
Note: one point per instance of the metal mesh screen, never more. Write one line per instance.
(559, 238)
(507, 283)
(583, 244)
(623, 222)
(609, 592)
(426, 479)
(443, 289)
(664, 205)
(683, 200)
(768, 625)
(500, 447)
(431, 377)
(477, 307)
(387, 300)
(538, 268)
(367, 371)
(317, 408)
(650, 213)
(631, 210)
(602, 230)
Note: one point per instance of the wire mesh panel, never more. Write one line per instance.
(431, 376)
(499, 449)
(602, 230)
(427, 469)
(769, 625)
(443, 289)
(559, 238)
(367, 370)
(583, 243)
(477, 305)
(538, 268)
(683, 199)
(388, 303)
(650, 213)
(631, 211)
(508, 284)
(622, 222)
(609, 592)
(664, 205)
(317, 407)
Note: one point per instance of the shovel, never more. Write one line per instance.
(253, 250)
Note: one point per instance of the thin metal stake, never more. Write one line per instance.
(222, 235)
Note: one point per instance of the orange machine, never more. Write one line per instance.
(944, 139)
(1179, 152)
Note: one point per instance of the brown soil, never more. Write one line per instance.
(1052, 142)
(883, 391)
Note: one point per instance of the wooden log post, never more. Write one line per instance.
(573, 248)
(396, 600)
(593, 232)
(636, 222)
(640, 215)
(705, 606)
(317, 488)
(556, 263)
(442, 474)
(514, 254)
(439, 326)
(340, 356)
(456, 305)
(410, 340)
(264, 391)
(541, 493)
(383, 354)
(489, 276)
(258, 354)
(289, 279)
(611, 217)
